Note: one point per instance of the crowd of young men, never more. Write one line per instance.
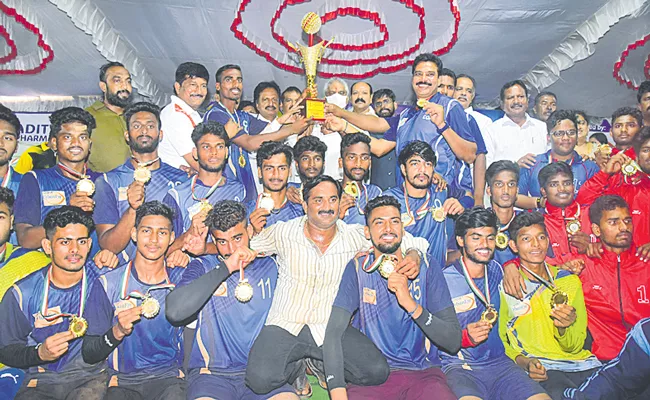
(392, 251)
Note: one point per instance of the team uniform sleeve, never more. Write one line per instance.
(457, 120)
(256, 126)
(391, 134)
(221, 118)
(504, 317)
(28, 202)
(478, 136)
(524, 181)
(106, 211)
(347, 297)
(14, 331)
(177, 223)
(99, 310)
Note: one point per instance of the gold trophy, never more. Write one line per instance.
(310, 56)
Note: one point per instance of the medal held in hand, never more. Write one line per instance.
(244, 290)
(438, 214)
(86, 186)
(352, 189)
(605, 150)
(78, 324)
(204, 205)
(386, 264)
(422, 102)
(142, 173)
(490, 315)
(150, 305)
(558, 297)
(266, 202)
(630, 168)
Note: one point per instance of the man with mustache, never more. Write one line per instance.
(181, 115)
(119, 195)
(207, 294)
(438, 120)
(266, 97)
(110, 147)
(516, 136)
(143, 349)
(635, 189)
(38, 310)
(312, 252)
(481, 369)
(43, 190)
(626, 123)
(562, 127)
(643, 97)
(192, 199)
(424, 209)
(9, 131)
(545, 338)
(360, 96)
(398, 315)
(355, 161)
(383, 166)
(502, 177)
(245, 134)
(274, 160)
(545, 105)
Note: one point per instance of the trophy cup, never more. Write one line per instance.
(310, 56)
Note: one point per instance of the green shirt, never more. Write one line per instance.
(109, 146)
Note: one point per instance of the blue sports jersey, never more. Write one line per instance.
(23, 322)
(469, 309)
(251, 126)
(154, 348)
(111, 199)
(226, 328)
(287, 212)
(185, 207)
(415, 124)
(528, 178)
(355, 214)
(382, 319)
(14, 180)
(476, 133)
(424, 225)
(505, 255)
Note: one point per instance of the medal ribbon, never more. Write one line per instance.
(71, 171)
(485, 298)
(551, 160)
(146, 164)
(364, 190)
(8, 175)
(506, 226)
(210, 192)
(575, 217)
(550, 285)
(135, 294)
(424, 208)
(46, 291)
(235, 118)
(373, 267)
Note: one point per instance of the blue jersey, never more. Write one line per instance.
(23, 322)
(111, 198)
(239, 166)
(382, 319)
(415, 124)
(154, 348)
(469, 309)
(436, 233)
(287, 212)
(505, 255)
(13, 181)
(226, 328)
(355, 214)
(180, 199)
(528, 178)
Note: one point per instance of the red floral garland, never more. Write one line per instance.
(234, 27)
(13, 52)
(619, 64)
(41, 43)
(372, 16)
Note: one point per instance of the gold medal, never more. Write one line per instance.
(352, 188)
(573, 227)
(630, 168)
(605, 150)
(86, 186)
(559, 297)
(407, 219)
(490, 315)
(387, 267)
(502, 240)
(142, 174)
(438, 214)
(205, 206)
(266, 202)
(244, 291)
(242, 160)
(150, 307)
(78, 326)
(422, 102)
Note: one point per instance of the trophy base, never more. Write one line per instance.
(314, 109)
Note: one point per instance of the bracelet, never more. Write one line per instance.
(538, 202)
(410, 313)
(444, 128)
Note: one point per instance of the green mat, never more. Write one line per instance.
(318, 393)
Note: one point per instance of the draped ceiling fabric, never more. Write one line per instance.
(591, 53)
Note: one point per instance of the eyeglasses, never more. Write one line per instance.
(559, 134)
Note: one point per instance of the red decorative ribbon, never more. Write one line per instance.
(41, 43)
(619, 64)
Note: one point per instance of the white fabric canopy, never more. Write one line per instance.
(569, 47)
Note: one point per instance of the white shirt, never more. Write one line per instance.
(505, 140)
(308, 281)
(178, 121)
(272, 126)
(332, 155)
(482, 120)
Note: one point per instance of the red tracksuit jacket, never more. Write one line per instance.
(556, 228)
(617, 296)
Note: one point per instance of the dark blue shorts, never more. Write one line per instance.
(500, 379)
(227, 387)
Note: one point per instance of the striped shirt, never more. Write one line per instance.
(308, 280)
